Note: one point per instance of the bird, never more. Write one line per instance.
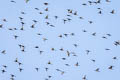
(114, 58)
(110, 67)
(4, 66)
(46, 3)
(113, 11)
(1, 26)
(36, 8)
(15, 36)
(94, 34)
(68, 53)
(3, 52)
(20, 69)
(84, 77)
(97, 70)
(27, 1)
(77, 64)
(12, 1)
(3, 71)
(49, 62)
(37, 69)
(88, 51)
(108, 1)
(46, 9)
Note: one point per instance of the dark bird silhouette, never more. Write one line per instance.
(113, 11)
(20, 69)
(3, 52)
(77, 64)
(88, 51)
(37, 69)
(1, 26)
(94, 34)
(46, 9)
(56, 17)
(36, 9)
(68, 53)
(108, 1)
(23, 13)
(3, 71)
(97, 70)
(111, 67)
(12, 1)
(45, 3)
(4, 66)
(15, 36)
(84, 77)
(114, 58)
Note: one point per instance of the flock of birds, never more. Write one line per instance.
(64, 51)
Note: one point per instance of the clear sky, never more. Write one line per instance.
(102, 25)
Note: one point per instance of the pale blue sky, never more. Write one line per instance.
(105, 23)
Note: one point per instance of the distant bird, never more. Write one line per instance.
(35, 21)
(20, 18)
(1, 26)
(104, 37)
(64, 20)
(12, 1)
(45, 3)
(93, 60)
(60, 36)
(53, 49)
(3, 52)
(46, 69)
(84, 4)
(94, 34)
(84, 31)
(16, 60)
(56, 17)
(4, 20)
(20, 69)
(27, 1)
(84, 77)
(108, 1)
(68, 53)
(46, 9)
(107, 49)
(100, 12)
(72, 34)
(44, 39)
(61, 49)
(97, 70)
(63, 58)
(113, 11)
(75, 45)
(49, 62)
(111, 67)
(3, 71)
(88, 51)
(41, 52)
(90, 22)
(15, 36)
(4, 66)
(36, 9)
(23, 13)
(108, 34)
(46, 17)
(77, 64)
(37, 69)
(32, 26)
(114, 58)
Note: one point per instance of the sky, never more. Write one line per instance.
(102, 24)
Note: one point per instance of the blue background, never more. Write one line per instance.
(105, 23)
